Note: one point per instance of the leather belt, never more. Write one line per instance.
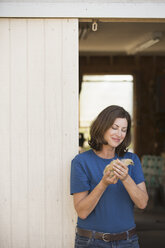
(107, 237)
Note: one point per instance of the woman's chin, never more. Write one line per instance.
(114, 144)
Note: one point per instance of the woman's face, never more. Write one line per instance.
(116, 133)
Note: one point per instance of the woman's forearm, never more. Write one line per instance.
(138, 195)
(86, 205)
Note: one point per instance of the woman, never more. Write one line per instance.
(105, 204)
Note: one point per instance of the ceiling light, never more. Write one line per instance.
(148, 43)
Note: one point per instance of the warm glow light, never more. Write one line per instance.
(99, 92)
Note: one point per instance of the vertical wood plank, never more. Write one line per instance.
(36, 135)
(5, 173)
(54, 175)
(18, 133)
(70, 122)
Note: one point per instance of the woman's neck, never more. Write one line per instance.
(106, 152)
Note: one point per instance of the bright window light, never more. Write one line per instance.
(98, 92)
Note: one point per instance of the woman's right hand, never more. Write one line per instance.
(106, 179)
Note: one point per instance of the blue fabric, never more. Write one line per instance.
(83, 242)
(114, 211)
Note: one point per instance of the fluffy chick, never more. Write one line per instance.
(109, 167)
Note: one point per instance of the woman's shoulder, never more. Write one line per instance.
(130, 155)
(83, 156)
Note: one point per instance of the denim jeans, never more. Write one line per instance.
(83, 242)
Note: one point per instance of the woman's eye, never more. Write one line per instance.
(123, 130)
(114, 128)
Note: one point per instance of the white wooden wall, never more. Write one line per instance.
(38, 131)
(83, 8)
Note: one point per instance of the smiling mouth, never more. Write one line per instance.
(117, 140)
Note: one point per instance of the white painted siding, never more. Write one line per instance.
(38, 131)
(83, 8)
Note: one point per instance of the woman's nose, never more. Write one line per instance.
(119, 132)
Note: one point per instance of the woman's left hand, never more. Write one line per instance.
(120, 170)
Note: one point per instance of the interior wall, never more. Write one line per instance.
(149, 107)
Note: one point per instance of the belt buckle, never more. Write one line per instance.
(103, 237)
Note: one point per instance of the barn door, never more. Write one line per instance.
(38, 131)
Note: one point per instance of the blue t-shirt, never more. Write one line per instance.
(114, 211)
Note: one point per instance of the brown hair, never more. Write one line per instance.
(103, 122)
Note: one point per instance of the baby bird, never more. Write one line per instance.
(109, 167)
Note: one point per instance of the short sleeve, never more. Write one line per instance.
(79, 181)
(137, 172)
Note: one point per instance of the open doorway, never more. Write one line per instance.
(135, 48)
(99, 92)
